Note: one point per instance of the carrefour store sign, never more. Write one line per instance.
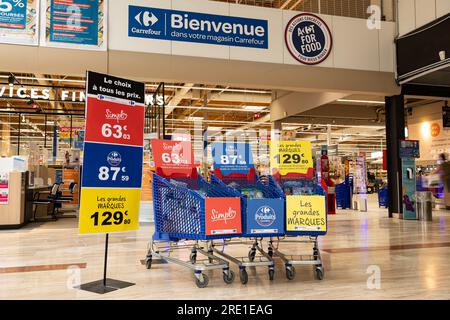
(166, 24)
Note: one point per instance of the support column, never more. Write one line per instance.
(395, 131)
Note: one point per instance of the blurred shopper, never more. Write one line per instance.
(444, 171)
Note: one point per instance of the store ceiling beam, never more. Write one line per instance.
(178, 97)
(286, 104)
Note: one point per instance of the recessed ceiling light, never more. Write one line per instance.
(254, 108)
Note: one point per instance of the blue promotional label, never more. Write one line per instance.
(112, 166)
(308, 39)
(232, 157)
(165, 24)
(265, 216)
(74, 21)
(13, 14)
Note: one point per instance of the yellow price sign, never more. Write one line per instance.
(306, 213)
(291, 157)
(105, 210)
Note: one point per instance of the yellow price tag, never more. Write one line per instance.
(306, 213)
(291, 157)
(105, 210)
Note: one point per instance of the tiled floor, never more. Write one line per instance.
(412, 259)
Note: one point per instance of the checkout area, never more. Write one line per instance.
(36, 193)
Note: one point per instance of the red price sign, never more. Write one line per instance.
(116, 123)
(173, 156)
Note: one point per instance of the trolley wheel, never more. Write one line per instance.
(148, 263)
(271, 274)
(228, 277)
(193, 258)
(203, 281)
(290, 273)
(243, 276)
(320, 273)
(252, 255)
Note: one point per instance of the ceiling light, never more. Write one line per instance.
(361, 101)
(215, 128)
(195, 118)
(290, 127)
(254, 108)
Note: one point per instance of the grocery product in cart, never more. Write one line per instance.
(187, 207)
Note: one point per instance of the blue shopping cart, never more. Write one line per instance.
(383, 197)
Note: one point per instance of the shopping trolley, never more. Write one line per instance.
(300, 186)
(383, 198)
(262, 217)
(179, 209)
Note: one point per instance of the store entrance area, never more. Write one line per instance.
(364, 253)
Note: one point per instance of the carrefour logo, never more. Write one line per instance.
(265, 216)
(146, 18)
(308, 39)
(165, 24)
(114, 158)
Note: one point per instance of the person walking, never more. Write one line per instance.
(444, 171)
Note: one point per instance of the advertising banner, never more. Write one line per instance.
(19, 21)
(112, 173)
(232, 157)
(265, 216)
(223, 216)
(166, 24)
(4, 188)
(409, 188)
(173, 157)
(291, 157)
(306, 213)
(74, 24)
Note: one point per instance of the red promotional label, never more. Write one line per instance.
(173, 156)
(116, 123)
(223, 216)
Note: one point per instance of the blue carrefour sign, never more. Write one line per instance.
(165, 24)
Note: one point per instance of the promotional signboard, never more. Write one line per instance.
(74, 24)
(409, 149)
(112, 173)
(166, 24)
(308, 39)
(446, 116)
(19, 21)
(265, 216)
(409, 188)
(232, 157)
(4, 188)
(291, 157)
(173, 157)
(306, 213)
(222, 216)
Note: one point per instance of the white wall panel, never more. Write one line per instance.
(288, 58)
(118, 28)
(387, 47)
(355, 46)
(407, 16)
(201, 49)
(442, 7)
(425, 11)
(274, 53)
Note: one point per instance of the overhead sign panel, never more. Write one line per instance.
(165, 24)
(19, 21)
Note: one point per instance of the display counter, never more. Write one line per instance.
(12, 208)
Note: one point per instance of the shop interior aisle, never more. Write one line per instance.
(47, 260)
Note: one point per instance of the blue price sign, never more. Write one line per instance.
(154, 23)
(13, 14)
(232, 157)
(112, 166)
